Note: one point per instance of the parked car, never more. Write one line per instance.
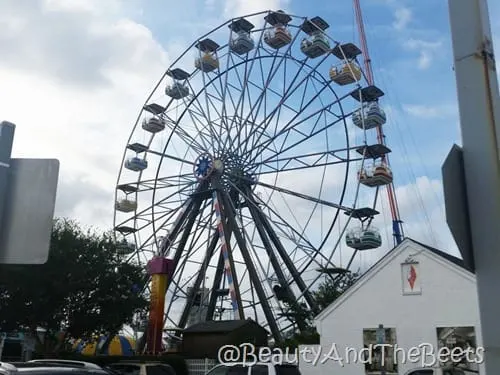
(139, 368)
(259, 368)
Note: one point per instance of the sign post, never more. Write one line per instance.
(381, 341)
(478, 100)
(6, 140)
(28, 190)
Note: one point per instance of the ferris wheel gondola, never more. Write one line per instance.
(244, 150)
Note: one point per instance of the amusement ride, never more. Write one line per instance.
(240, 166)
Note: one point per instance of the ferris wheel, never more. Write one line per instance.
(252, 163)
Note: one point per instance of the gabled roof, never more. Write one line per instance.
(219, 326)
(453, 259)
(449, 259)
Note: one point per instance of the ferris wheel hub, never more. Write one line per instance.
(219, 165)
(203, 166)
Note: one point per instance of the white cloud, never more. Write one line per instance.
(74, 76)
(237, 8)
(402, 17)
(431, 111)
(427, 50)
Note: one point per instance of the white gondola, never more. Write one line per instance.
(153, 124)
(378, 174)
(136, 164)
(207, 62)
(315, 45)
(177, 90)
(277, 37)
(369, 116)
(345, 74)
(363, 238)
(126, 205)
(124, 247)
(241, 43)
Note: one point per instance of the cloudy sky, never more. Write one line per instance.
(75, 73)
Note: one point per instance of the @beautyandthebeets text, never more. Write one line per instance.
(425, 354)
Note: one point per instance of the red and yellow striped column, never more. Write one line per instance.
(159, 269)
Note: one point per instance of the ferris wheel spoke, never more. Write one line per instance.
(183, 135)
(306, 138)
(293, 124)
(163, 200)
(305, 161)
(201, 118)
(239, 108)
(289, 92)
(274, 69)
(160, 183)
(193, 116)
(295, 194)
(225, 93)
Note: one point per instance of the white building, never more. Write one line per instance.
(417, 293)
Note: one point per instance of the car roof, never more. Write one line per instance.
(68, 362)
(138, 363)
(251, 363)
(50, 369)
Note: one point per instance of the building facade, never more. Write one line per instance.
(416, 299)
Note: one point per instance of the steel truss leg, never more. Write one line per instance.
(250, 266)
(274, 261)
(283, 254)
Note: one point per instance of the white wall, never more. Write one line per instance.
(449, 298)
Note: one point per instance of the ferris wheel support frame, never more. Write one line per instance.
(240, 239)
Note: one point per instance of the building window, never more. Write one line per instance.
(378, 358)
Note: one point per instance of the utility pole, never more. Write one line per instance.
(475, 168)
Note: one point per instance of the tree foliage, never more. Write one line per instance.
(84, 289)
(333, 288)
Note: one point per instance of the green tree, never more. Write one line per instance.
(84, 289)
(333, 288)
